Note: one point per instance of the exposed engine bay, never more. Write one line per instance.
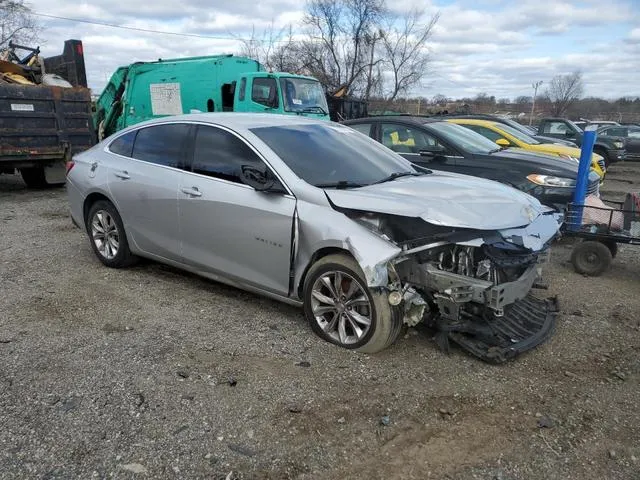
(471, 286)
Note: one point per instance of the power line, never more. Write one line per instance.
(136, 29)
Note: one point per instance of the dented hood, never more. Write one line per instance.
(445, 199)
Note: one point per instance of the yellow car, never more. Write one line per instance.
(506, 136)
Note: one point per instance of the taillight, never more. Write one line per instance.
(69, 165)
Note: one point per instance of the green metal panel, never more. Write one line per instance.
(148, 90)
(172, 87)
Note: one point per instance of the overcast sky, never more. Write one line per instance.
(493, 46)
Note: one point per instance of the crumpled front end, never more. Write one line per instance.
(473, 286)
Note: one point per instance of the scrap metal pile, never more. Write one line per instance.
(28, 70)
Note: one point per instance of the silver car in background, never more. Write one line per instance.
(316, 214)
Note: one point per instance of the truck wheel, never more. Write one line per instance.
(591, 258)
(107, 235)
(34, 177)
(343, 310)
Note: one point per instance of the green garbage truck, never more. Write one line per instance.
(218, 83)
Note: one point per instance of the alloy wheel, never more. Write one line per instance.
(341, 307)
(105, 235)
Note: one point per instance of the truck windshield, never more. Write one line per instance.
(303, 95)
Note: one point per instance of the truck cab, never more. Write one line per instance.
(611, 148)
(219, 83)
(279, 93)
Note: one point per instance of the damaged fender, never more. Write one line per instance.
(371, 251)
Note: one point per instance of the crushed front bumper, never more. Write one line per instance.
(525, 324)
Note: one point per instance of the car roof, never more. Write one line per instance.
(236, 120)
(475, 121)
(396, 118)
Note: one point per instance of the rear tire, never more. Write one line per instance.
(591, 258)
(107, 236)
(351, 315)
(34, 177)
(612, 246)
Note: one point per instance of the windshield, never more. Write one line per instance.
(523, 137)
(332, 155)
(303, 95)
(463, 138)
(578, 129)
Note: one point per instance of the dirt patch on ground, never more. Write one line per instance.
(153, 373)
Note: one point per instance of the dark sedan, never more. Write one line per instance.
(440, 145)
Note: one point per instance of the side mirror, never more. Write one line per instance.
(432, 151)
(569, 134)
(503, 142)
(260, 180)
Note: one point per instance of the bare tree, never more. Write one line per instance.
(563, 91)
(341, 35)
(357, 46)
(17, 23)
(523, 100)
(439, 99)
(405, 54)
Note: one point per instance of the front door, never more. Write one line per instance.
(409, 142)
(228, 228)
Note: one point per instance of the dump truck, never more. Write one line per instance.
(217, 83)
(45, 112)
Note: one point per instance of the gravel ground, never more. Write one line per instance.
(153, 373)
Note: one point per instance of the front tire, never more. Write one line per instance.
(342, 310)
(107, 235)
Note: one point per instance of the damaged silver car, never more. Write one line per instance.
(319, 215)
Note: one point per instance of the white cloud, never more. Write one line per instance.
(492, 46)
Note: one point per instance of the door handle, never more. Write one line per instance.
(122, 174)
(192, 192)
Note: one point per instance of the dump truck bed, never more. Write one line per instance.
(40, 125)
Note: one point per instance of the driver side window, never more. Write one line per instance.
(557, 128)
(404, 139)
(220, 154)
(265, 92)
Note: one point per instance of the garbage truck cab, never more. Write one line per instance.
(220, 83)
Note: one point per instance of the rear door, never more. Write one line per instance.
(228, 228)
(145, 186)
(409, 141)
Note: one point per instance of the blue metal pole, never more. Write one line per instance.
(582, 182)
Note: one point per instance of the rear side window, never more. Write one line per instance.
(362, 128)
(220, 154)
(162, 144)
(123, 145)
(265, 92)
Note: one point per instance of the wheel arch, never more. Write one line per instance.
(90, 200)
(317, 255)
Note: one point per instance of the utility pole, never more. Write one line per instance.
(533, 104)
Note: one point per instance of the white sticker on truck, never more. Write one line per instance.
(22, 107)
(165, 99)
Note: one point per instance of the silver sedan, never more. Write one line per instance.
(316, 214)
